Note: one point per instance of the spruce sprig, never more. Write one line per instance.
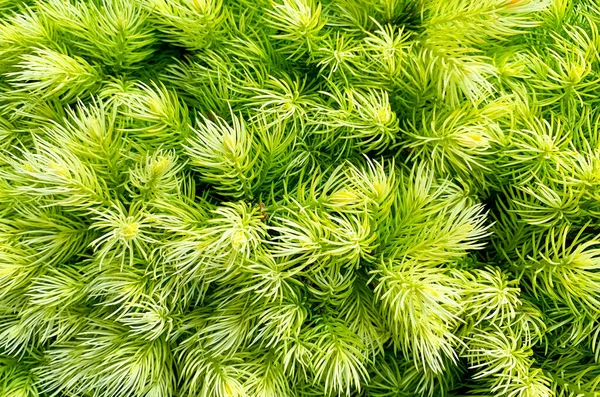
(299, 198)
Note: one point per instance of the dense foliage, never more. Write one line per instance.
(273, 198)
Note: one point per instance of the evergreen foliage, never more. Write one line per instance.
(294, 198)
